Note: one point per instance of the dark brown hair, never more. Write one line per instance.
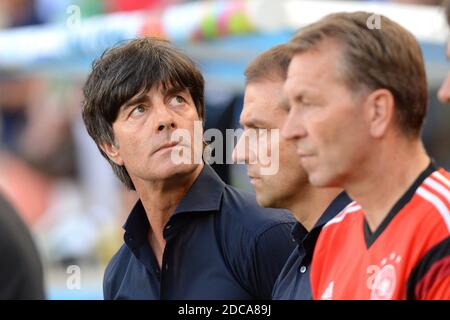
(126, 70)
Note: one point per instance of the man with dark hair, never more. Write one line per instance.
(190, 236)
(358, 99)
(265, 109)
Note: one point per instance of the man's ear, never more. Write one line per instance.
(380, 111)
(112, 151)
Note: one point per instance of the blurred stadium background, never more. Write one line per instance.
(50, 169)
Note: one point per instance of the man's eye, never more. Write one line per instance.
(138, 110)
(177, 100)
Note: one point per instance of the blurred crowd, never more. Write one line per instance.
(16, 13)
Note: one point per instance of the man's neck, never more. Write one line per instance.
(310, 203)
(383, 182)
(160, 199)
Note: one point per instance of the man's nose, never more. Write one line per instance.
(292, 127)
(165, 119)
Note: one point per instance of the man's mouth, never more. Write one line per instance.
(303, 154)
(167, 145)
(254, 179)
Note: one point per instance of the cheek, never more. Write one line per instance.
(351, 148)
(340, 130)
(323, 133)
(129, 141)
(267, 147)
(129, 151)
(288, 154)
(132, 145)
(191, 114)
(189, 119)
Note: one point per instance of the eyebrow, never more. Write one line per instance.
(303, 95)
(174, 90)
(253, 123)
(144, 98)
(141, 98)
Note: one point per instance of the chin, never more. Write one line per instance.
(321, 181)
(266, 201)
(170, 170)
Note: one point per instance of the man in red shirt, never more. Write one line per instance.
(358, 97)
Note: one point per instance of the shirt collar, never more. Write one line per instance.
(204, 195)
(299, 232)
(137, 226)
(336, 206)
